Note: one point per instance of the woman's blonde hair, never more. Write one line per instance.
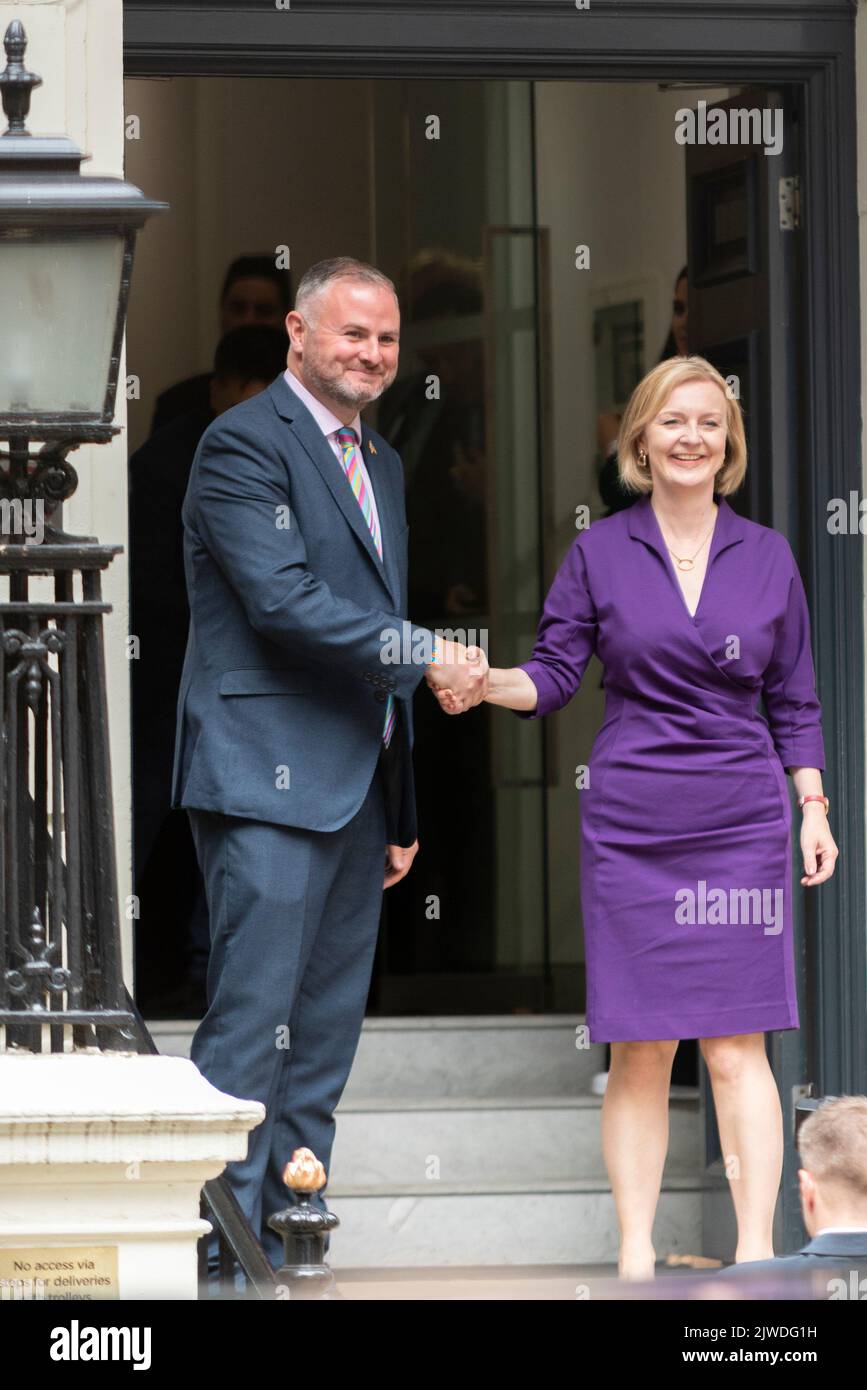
(647, 400)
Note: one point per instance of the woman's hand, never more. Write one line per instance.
(817, 845)
(510, 687)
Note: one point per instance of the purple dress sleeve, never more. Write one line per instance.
(566, 637)
(789, 685)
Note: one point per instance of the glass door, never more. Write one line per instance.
(466, 931)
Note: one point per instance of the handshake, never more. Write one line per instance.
(459, 676)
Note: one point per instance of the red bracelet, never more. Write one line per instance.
(802, 800)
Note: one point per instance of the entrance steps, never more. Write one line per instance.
(476, 1142)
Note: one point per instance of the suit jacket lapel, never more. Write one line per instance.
(385, 505)
(312, 440)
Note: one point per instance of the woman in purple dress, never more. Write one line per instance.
(695, 613)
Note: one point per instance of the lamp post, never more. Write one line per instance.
(101, 1146)
(66, 252)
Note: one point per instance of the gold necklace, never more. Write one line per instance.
(687, 562)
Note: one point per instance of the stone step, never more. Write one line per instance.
(491, 1056)
(391, 1143)
(463, 1283)
(476, 1142)
(486, 1224)
(506, 1283)
(497, 1056)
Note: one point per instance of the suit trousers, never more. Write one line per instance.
(294, 916)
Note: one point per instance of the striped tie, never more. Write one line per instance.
(351, 460)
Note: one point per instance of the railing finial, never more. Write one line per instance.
(16, 83)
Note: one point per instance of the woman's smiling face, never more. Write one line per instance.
(685, 441)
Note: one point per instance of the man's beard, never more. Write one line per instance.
(340, 388)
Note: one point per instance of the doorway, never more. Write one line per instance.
(536, 290)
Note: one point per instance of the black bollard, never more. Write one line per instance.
(304, 1229)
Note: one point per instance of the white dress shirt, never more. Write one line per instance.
(329, 425)
(842, 1231)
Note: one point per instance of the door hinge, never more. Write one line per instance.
(790, 202)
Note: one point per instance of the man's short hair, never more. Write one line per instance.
(253, 352)
(323, 273)
(832, 1143)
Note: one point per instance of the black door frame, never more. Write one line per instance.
(722, 42)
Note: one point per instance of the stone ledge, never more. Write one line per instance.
(110, 1108)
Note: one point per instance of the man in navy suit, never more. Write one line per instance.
(294, 734)
(832, 1143)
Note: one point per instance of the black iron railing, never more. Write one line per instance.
(60, 963)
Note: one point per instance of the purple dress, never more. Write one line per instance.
(686, 859)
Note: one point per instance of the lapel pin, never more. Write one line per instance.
(370, 446)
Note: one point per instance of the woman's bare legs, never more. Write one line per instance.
(634, 1144)
(751, 1134)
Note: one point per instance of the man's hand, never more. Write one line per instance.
(398, 862)
(460, 679)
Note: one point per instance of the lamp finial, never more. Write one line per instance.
(16, 83)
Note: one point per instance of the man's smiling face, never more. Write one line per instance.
(346, 351)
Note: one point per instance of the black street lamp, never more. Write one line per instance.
(66, 252)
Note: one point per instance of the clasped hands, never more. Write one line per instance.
(459, 678)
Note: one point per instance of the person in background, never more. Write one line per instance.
(255, 293)
(173, 946)
(832, 1144)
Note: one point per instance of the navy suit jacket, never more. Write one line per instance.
(283, 693)
(832, 1250)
